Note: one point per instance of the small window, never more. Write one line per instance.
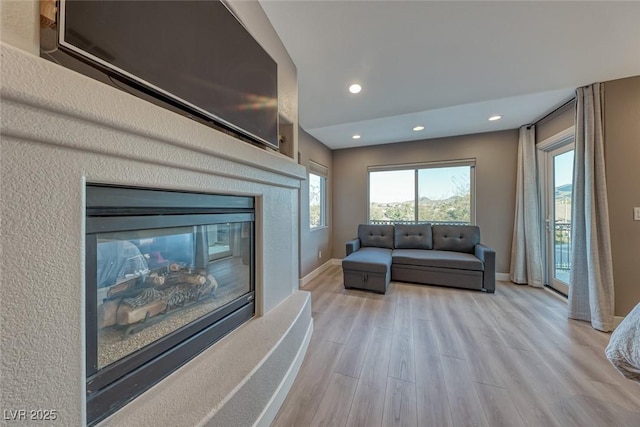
(317, 196)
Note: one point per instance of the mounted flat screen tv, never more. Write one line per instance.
(193, 57)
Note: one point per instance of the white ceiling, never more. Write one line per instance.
(447, 65)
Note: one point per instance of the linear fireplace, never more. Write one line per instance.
(167, 274)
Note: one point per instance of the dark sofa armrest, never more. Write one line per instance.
(488, 256)
(352, 246)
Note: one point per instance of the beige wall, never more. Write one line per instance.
(622, 151)
(319, 240)
(20, 24)
(495, 155)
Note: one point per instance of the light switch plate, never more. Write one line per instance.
(636, 214)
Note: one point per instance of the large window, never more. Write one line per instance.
(317, 195)
(441, 192)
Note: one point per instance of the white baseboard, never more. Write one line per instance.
(503, 277)
(315, 273)
(271, 410)
(617, 320)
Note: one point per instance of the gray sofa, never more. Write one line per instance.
(447, 255)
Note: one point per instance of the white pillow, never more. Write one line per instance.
(623, 350)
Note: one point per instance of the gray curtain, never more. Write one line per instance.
(591, 294)
(526, 253)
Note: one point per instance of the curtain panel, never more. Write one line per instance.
(526, 246)
(591, 294)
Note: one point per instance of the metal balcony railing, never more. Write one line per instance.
(562, 246)
(388, 222)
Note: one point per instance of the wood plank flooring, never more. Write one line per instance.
(434, 356)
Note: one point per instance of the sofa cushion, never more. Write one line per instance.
(372, 260)
(457, 238)
(435, 258)
(375, 236)
(413, 236)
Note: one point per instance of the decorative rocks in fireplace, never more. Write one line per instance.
(167, 274)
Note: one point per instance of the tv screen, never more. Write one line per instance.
(193, 54)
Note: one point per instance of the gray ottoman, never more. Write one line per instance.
(368, 269)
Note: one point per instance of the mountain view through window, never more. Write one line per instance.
(443, 195)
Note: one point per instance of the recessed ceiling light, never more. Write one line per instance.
(356, 136)
(418, 128)
(355, 88)
(494, 118)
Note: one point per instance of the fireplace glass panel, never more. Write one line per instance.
(153, 282)
(168, 274)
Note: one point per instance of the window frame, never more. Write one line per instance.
(321, 172)
(416, 167)
(564, 139)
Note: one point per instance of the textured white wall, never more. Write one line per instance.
(60, 130)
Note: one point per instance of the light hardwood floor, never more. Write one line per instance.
(434, 356)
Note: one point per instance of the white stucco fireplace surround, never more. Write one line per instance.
(61, 130)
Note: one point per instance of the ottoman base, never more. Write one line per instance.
(376, 282)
